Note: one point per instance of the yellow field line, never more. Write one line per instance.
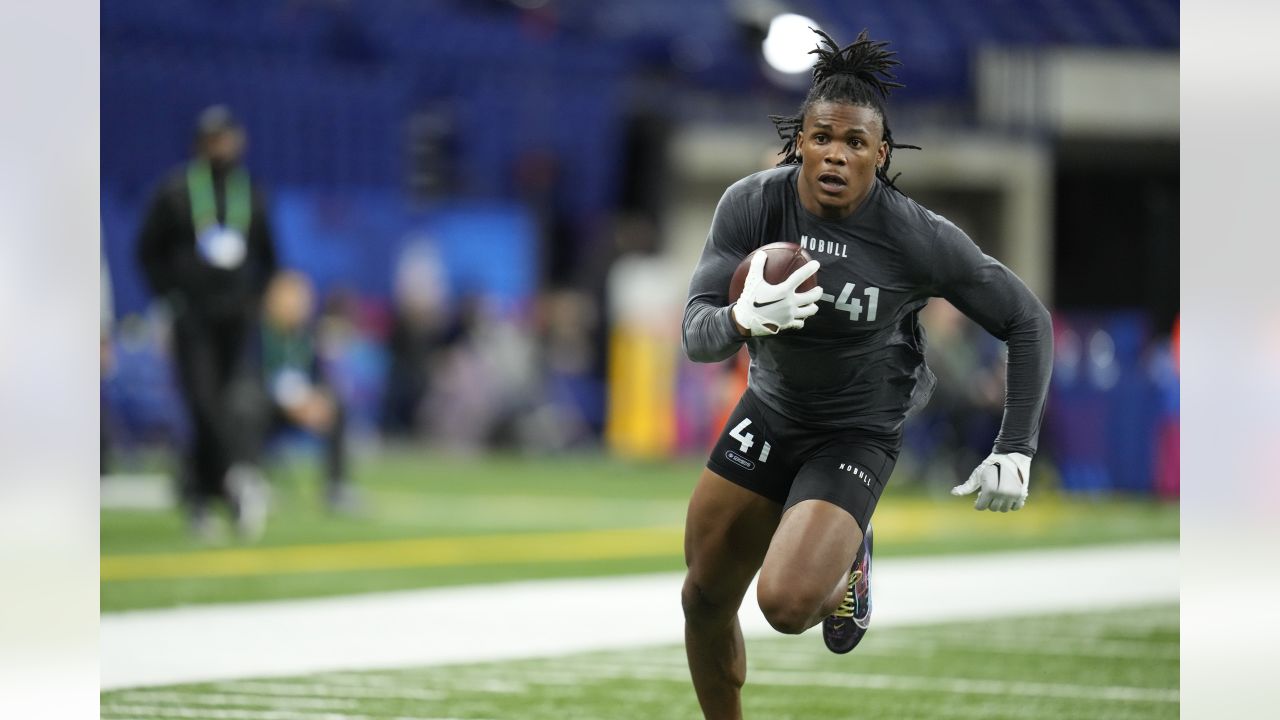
(911, 520)
(917, 520)
(421, 552)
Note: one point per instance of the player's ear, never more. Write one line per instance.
(882, 154)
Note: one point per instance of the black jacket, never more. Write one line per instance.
(174, 268)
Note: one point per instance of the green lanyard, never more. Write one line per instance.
(204, 208)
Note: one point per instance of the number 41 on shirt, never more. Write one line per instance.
(853, 305)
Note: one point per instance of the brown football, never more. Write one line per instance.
(781, 259)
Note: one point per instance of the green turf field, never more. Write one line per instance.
(433, 520)
(1118, 665)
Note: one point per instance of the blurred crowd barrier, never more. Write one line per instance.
(1113, 415)
(470, 372)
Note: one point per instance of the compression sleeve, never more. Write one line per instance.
(995, 298)
(708, 332)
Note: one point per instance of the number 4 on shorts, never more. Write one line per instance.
(746, 439)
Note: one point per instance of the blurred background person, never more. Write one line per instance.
(472, 395)
(420, 328)
(206, 249)
(297, 391)
(349, 339)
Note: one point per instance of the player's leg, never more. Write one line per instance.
(727, 532)
(805, 571)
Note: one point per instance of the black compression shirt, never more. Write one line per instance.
(859, 362)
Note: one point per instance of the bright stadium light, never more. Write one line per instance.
(787, 44)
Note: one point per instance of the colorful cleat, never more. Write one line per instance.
(843, 629)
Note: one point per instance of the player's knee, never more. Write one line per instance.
(700, 606)
(786, 617)
(788, 611)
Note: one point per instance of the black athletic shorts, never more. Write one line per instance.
(787, 462)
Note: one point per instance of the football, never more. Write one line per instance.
(781, 259)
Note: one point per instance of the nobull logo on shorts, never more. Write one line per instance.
(740, 460)
(857, 471)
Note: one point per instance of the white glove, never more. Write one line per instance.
(1003, 480)
(765, 309)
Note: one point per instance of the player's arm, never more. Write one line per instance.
(713, 328)
(995, 298)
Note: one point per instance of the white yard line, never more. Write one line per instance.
(326, 689)
(574, 675)
(540, 618)
(1034, 644)
(242, 700)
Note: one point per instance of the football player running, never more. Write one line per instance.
(792, 483)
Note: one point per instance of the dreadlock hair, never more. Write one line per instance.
(858, 74)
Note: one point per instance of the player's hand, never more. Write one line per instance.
(1001, 481)
(765, 309)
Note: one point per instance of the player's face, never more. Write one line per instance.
(840, 147)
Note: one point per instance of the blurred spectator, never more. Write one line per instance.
(297, 393)
(206, 248)
(140, 394)
(462, 408)
(485, 378)
(420, 325)
(350, 341)
(570, 388)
